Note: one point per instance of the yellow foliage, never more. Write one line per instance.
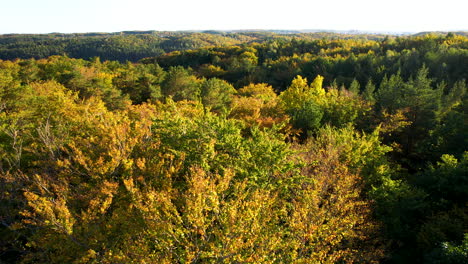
(256, 110)
(316, 86)
(114, 193)
(261, 91)
(50, 212)
(299, 92)
(330, 210)
(296, 94)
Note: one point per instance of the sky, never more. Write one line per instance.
(79, 16)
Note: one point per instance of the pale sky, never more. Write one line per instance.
(68, 16)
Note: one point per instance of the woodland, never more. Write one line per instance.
(240, 147)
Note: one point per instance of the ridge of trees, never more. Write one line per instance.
(136, 45)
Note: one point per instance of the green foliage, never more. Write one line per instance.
(451, 133)
(180, 84)
(216, 94)
(355, 87)
(368, 93)
(307, 116)
(427, 210)
(421, 105)
(216, 144)
(452, 253)
(140, 82)
(446, 182)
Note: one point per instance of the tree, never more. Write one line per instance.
(421, 104)
(307, 117)
(355, 87)
(141, 82)
(180, 84)
(327, 223)
(297, 92)
(368, 93)
(217, 94)
(257, 104)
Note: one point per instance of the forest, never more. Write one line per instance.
(135, 45)
(240, 147)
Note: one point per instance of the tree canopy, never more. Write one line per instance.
(233, 148)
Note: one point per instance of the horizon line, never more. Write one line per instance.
(339, 31)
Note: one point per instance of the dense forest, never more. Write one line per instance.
(215, 147)
(135, 45)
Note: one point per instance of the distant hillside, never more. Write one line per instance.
(136, 45)
(442, 33)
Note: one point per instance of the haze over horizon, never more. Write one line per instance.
(28, 16)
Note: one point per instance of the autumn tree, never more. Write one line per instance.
(257, 104)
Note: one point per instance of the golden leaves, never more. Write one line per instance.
(172, 183)
(48, 211)
(101, 200)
